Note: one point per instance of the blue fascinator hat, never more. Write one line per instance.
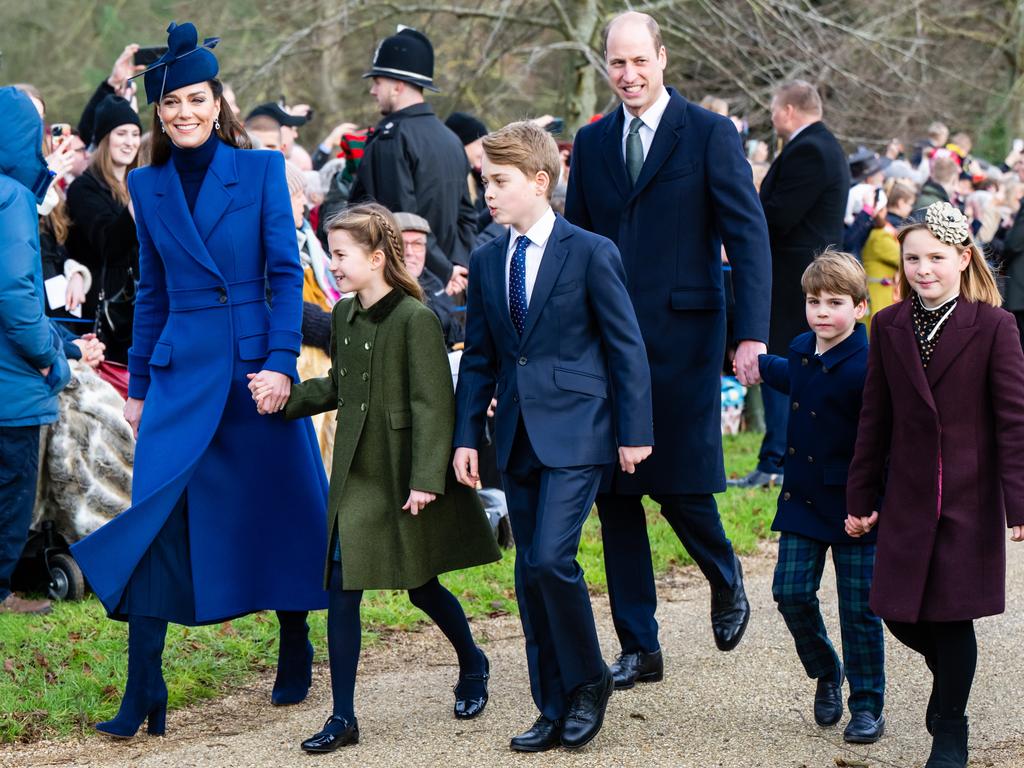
(186, 62)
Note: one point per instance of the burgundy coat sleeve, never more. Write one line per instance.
(1006, 377)
(874, 433)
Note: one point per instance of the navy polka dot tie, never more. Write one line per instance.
(517, 284)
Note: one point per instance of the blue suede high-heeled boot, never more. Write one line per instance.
(294, 660)
(145, 694)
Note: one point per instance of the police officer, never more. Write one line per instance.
(414, 163)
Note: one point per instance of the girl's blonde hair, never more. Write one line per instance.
(102, 166)
(977, 283)
(373, 227)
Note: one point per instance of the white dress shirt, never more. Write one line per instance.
(539, 234)
(651, 119)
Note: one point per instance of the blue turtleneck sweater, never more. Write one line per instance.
(191, 165)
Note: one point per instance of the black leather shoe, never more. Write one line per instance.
(586, 712)
(471, 692)
(730, 612)
(337, 732)
(828, 699)
(864, 728)
(632, 668)
(543, 735)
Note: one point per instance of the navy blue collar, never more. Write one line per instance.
(197, 159)
(805, 344)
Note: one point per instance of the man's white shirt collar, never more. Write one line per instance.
(652, 117)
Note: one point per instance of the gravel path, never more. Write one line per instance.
(749, 708)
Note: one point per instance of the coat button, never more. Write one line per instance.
(808, 502)
(346, 339)
(810, 459)
(803, 361)
(792, 451)
(362, 407)
(366, 376)
(814, 415)
(785, 496)
(341, 402)
(344, 372)
(366, 346)
(222, 297)
(796, 406)
(522, 361)
(515, 398)
(824, 369)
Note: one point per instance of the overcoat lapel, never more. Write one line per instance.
(901, 332)
(550, 266)
(665, 140)
(214, 195)
(611, 145)
(953, 338)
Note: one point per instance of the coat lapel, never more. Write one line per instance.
(499, 291)
(959, 330)
(665, 140)
(550, 266)
(901, 332)
(214, 195)
(173, 212)
(611, 145)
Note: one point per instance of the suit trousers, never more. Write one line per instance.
(795, 589)
(547, 507)
(627, 558)
(776, 420)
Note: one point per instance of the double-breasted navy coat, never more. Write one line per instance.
(824, 406)
(694, 193)
(220, 296)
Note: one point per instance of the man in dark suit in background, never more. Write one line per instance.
(667, 181)
(804, 197)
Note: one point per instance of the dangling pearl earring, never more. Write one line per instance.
(216, 123)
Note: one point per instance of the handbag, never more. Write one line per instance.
(114, 313)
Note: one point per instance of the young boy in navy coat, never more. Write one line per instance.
(824, 378)
(551, 333)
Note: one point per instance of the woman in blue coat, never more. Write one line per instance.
(228, 508)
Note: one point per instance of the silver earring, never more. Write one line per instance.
(162, 129)
(216, 123)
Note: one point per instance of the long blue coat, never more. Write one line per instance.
(255, 487)
(694, 193)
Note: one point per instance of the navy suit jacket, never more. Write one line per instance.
(694, 193)
(577, 376)
(825, 396)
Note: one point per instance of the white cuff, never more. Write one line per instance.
(72, 267)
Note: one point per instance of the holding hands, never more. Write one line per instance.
(858, 526)
(270, 390)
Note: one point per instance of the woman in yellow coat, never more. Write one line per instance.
(881, 254)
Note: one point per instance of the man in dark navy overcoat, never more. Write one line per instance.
(667, 181)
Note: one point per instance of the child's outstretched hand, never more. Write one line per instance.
(858, 526)
(1017, 534)
(418, 500)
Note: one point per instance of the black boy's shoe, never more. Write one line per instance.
(471, 692)
(586, 712)
(864, 728)
(730, 612)
(639, 667)
(828, 699)
(543, 735)
(337, 732)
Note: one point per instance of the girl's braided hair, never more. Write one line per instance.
(373, 227)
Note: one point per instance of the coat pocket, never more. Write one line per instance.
(671, 174)
(698, 298)
(252, 347)
(400, 419)
(563, 288)
(161, 356)
(579, 381)
(835, 474)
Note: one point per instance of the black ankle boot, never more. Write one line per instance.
(949, 744)
(145, 694)
(294, 660)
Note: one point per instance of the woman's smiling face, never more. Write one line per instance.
(188, 114)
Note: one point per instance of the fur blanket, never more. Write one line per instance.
(85, 465)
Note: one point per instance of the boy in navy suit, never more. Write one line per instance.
(551, 333)
(824, 378)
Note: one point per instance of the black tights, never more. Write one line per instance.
(950, 650)
(344, 634)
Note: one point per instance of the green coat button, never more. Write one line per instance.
(362, 407)
(346, 339)
(366, 376)
(341, 402)
(344, 371)
(366, 346)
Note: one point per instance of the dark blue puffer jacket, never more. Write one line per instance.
(27, 341)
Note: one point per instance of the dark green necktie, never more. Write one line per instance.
(634, 150)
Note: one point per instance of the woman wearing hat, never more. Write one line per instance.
(227, 506)
(102, 235)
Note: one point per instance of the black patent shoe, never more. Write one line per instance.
(471, 692)
(543, 735)
(639, 667)
(828, 699)
(586, 712)
(730, 612)
(337, 732)
(864, 728)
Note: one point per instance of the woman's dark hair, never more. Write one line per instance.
(231, 132)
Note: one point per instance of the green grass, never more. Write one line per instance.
(65, 671)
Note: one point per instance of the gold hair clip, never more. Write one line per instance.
(947, 223)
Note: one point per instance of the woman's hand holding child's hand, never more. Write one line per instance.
(418, 500)
(270, 390)
(858, 526)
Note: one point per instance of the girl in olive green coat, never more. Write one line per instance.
(396, 519)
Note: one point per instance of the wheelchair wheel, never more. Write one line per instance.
(66, 579)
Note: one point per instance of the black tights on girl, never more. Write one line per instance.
(951, 652)
(344, 634)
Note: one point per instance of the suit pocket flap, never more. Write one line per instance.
(252, 347)
(676, 172)
(835, 474)
(161, 356)
(698, 298)
(577, 381)
(400, 419)
(562, 288)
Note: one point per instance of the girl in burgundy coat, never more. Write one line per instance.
(944, 405)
